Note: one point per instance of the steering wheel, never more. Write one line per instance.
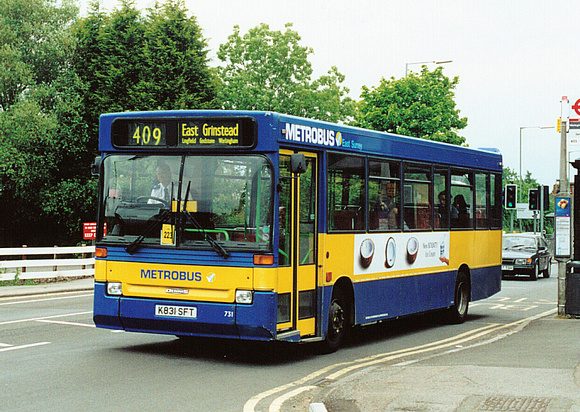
(145, 199)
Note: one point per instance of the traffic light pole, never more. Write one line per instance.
(511, 221)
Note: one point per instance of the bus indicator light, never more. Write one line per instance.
(101, 252)
(263, 259)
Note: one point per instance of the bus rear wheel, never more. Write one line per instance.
(458, 312)
(338, 324)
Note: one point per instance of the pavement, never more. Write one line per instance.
(73, 285)
(536, 369)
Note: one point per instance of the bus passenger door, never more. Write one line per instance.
(297, 300)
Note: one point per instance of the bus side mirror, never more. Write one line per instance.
(96, 166)
(297, 163)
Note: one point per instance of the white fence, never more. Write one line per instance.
(16, 262)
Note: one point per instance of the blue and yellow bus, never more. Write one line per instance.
(264, 226)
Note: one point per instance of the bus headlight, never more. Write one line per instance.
(245, 297)
(115, 288)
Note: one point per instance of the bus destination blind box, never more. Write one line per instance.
(183, 133)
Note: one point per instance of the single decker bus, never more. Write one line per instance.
(264, 226)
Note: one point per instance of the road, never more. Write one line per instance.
(53, 358)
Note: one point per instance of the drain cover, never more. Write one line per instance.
(515, 404)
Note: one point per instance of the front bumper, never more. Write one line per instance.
(226, 320)
(510, 269)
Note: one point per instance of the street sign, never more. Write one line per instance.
(574, 124)
(89, 230)
(576, 107)
(563, 227)
(523, 212)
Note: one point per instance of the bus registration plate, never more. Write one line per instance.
(176, 311)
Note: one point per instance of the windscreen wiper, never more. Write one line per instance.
(219, 249)
(156, 221)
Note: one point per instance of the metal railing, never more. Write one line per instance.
(46, 262)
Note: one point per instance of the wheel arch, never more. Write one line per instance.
(464, 269)
(344, 285)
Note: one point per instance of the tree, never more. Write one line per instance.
(35, 44)
(43, 139)
(131, 62)
(176, 74)
(420, 105)
(269, 70)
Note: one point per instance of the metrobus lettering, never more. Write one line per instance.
(170, 275)
(307, 134)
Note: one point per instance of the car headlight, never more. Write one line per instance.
(527, 261)
(245, 297)
(115, 289)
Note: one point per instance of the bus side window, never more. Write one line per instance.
(481, 200)
(496, 201)
(384, 195)
(441, 199)
(346, 193)
(462, 195)
(416, 196)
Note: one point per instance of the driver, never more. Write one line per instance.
(162, 190)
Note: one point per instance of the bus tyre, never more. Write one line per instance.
(458, 312)
(338, 324)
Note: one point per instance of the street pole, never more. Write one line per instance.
(542, 200)
(562, 191)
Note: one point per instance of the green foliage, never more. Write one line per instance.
(35, 44)
(416, 105)
(269, 70)
(175, 74)
(57, 75)
(131, 62)
(43, 139)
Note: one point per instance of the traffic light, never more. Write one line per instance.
(511, 192)
(546, 198)
(534, 199)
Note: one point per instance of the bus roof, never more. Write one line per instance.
(307, 134)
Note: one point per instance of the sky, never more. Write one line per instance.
(515, 59)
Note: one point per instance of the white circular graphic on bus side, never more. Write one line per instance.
(390, 253)
(412, 250)
(367, 250)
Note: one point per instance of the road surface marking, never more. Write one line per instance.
(454, 343)
(24, 346)
(10, 322)
(60, 322)
(17, 302)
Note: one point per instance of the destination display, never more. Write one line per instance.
(193, 132)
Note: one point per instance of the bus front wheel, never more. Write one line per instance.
(338, 323)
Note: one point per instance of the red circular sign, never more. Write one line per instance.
(576, 107)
